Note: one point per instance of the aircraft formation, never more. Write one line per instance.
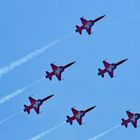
(58, 70)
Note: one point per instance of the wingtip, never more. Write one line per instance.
(82, 17)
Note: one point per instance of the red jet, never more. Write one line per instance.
(87, 24)
(133, 118)
(57, 71)
(78, 115)
(109, 68)
(35, 104)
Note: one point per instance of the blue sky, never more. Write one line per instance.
(29, 25)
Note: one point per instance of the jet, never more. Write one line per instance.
(133, 118)
(57, 71)
(78, 115)
(35, 104)
(109, 68)
(87, 25)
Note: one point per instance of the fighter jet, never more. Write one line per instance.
(78, 115)
(87, 25)
(35, 104)
(109, 68)
(57, 71)
(133, 118)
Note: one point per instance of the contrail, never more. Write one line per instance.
(17, 92)
(104, 133)
(30, 56)
(10, 117)
(46, 132)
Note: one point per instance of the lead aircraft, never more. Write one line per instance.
(87, 25)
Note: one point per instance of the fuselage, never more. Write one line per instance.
(89, 24)
(59, 70)
(134, 118)
(111, 67)
(37, 104)
(79, 115)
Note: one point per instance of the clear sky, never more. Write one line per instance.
(28, 25)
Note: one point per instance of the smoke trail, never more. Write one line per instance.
(46, 132)
(104, 133)
(17, 92)
(10, 117)
(30, 56)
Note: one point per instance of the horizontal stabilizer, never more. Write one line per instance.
(101, 72)
(78, 29)
(124, 122)
(69, 120)
(49, 75)
(26, 109)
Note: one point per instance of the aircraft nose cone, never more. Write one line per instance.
(102, 16)
(124, 60)
(97, 19)
(51, 96)
(121, 61)
(72, 62)
(93, 107)
(90, 108)
(69, 64)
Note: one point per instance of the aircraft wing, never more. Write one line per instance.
(111, 74)
(32, 100)
(84, 21)
(106, 64)
(58, 76)
(74, 111)
(130, 115)
(54, 67)
(37, 110)
(88, 30)
(134, 124)
(79, 121)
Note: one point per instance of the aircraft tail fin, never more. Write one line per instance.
(69, 120)
(78, 29)
(124, 122)
(101, 72)
(26, 109)
(49, 75)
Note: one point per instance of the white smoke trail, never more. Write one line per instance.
(46, 132)
(10, 117)
(104, 133)
(17, 92)
(30, 56)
